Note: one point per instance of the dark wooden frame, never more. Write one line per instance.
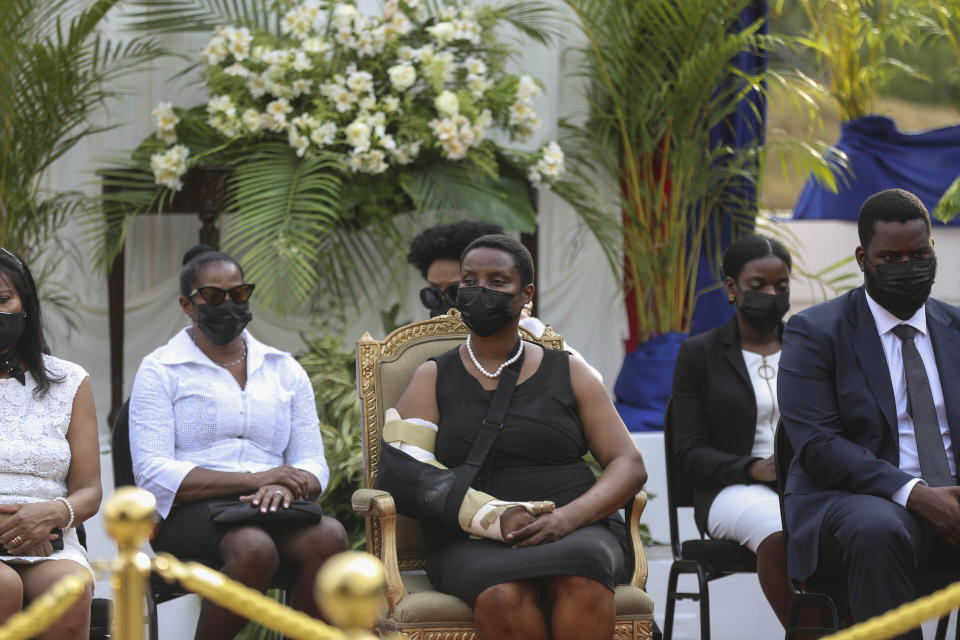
(201, 195)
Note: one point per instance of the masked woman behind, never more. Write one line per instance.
(521, 555)
(725, 412)
(217, 414)
(49, 457)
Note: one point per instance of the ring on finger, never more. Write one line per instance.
(16, 541)
(278, 492)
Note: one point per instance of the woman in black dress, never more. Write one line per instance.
(573, 557)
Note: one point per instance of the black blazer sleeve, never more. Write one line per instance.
(701, 378)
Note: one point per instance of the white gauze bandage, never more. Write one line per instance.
(480, 512)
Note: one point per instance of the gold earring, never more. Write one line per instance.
(731, 298)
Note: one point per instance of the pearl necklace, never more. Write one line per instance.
(500, 369)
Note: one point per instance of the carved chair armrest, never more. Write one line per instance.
(379, 505)
(639, 577)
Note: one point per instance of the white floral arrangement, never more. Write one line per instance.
(386, 93)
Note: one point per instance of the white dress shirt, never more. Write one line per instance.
(909, 461)
(186, 411)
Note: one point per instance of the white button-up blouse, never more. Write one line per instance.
(186, 411)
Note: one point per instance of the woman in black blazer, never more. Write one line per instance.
(725, 412)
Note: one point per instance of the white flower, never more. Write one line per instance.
(222, 104)
(278, 110)
(551, 162)
(378, 122)
(448, 12)
(368, 103)
(441, 67)
(475, 66)
(228, 127)
(387, 142)
(466, 30)
(165, 118)
(402, 24)
(344, 14)
(252, 120)
(406, 153)
(443, 129)
(442, 32)
(167, 136)
(238, 42)
(342, 99)
(390, 7)
(257, 85)
(237, 69)
(168, 167)
(324, 134)
(478, 85)
(360, 82)
(402, 76)
(454, 149)
(371, 162)
(390, 104)
(358, 135)
(406, 54)
(424, 54)
(302, 62)
(315, 45)
(524, 118)
(301, 86)
(447, 104)
(216, 51)
(304, 121)
(527, 88)
(298, 141)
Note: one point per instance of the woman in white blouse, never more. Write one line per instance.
(49, 458)
(724, 412)
(216, 414)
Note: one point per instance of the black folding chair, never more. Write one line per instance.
(708, 559)
(160, 590)
(825, 595)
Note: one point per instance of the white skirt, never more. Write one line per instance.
(745, 513)
(72, 550)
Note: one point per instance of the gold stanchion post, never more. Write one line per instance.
(130, 519)
(349, 591)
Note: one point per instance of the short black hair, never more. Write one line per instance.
(446, 241)
(521, 257)
(32, 345)
(197, 257)
(750, 248)
(891, 205)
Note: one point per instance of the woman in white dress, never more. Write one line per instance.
(49, 457)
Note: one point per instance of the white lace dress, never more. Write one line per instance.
(34, 452)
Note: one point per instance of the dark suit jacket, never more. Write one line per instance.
(714, 414)
(837, 405)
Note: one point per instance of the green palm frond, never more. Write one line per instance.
(949, 206)
(278, 206)
(659, 78)
(532, 18)
(181, 16)
(57, 72)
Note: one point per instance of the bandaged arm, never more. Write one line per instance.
(479, 513)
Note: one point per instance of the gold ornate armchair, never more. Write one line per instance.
(383, 370)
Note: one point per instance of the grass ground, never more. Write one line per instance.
(780, 192)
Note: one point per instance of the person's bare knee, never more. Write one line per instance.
(582, 608)
(11, 592)
(74, 623)
(502, 603)
(250, 556)
(312, 545)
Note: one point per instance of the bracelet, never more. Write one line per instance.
(69, 508)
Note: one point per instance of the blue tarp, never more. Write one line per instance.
(645, 382)
(883, 157)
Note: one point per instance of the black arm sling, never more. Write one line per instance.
(434, 495)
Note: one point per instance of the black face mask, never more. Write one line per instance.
(901, 287)
(437, 301)
(11, 328)
(485, 311)
(223, 322)
(764, 311)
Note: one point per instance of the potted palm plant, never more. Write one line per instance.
(56, 74)
(660, 78)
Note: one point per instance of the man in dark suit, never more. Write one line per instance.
(865, 396)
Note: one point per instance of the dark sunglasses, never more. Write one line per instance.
(215, 295)
(433, 298)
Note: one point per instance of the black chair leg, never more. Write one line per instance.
(671, 602)
(704, 603)
(152, 614)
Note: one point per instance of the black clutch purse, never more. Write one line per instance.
(299, 512)
(56, 544)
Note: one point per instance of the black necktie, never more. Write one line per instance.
(926, 427)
